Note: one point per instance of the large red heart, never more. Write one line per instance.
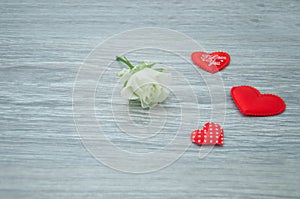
(211, 134)
(251, 102)
(212, 62)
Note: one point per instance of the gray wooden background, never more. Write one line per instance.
(43, 44)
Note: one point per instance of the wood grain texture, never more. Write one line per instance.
(42, 45)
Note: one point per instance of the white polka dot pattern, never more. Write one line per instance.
(211, 134)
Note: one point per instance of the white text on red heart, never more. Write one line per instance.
(211, 60)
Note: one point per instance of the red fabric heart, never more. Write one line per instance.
(211, 134)
(251, 102)
(212, 62)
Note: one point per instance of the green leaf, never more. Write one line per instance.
(150, 65)
(160, 69)
(125, 83)
(125, 61)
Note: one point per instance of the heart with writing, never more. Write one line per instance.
(251, 102)
(211, 62)
(211, 134)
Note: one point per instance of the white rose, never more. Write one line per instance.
(148, 86)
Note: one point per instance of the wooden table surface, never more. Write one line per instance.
(43, 44)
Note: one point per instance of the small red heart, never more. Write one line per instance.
(211, 134)
(212, 62)
(251, 102)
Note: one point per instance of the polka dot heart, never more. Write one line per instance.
(211, 134)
